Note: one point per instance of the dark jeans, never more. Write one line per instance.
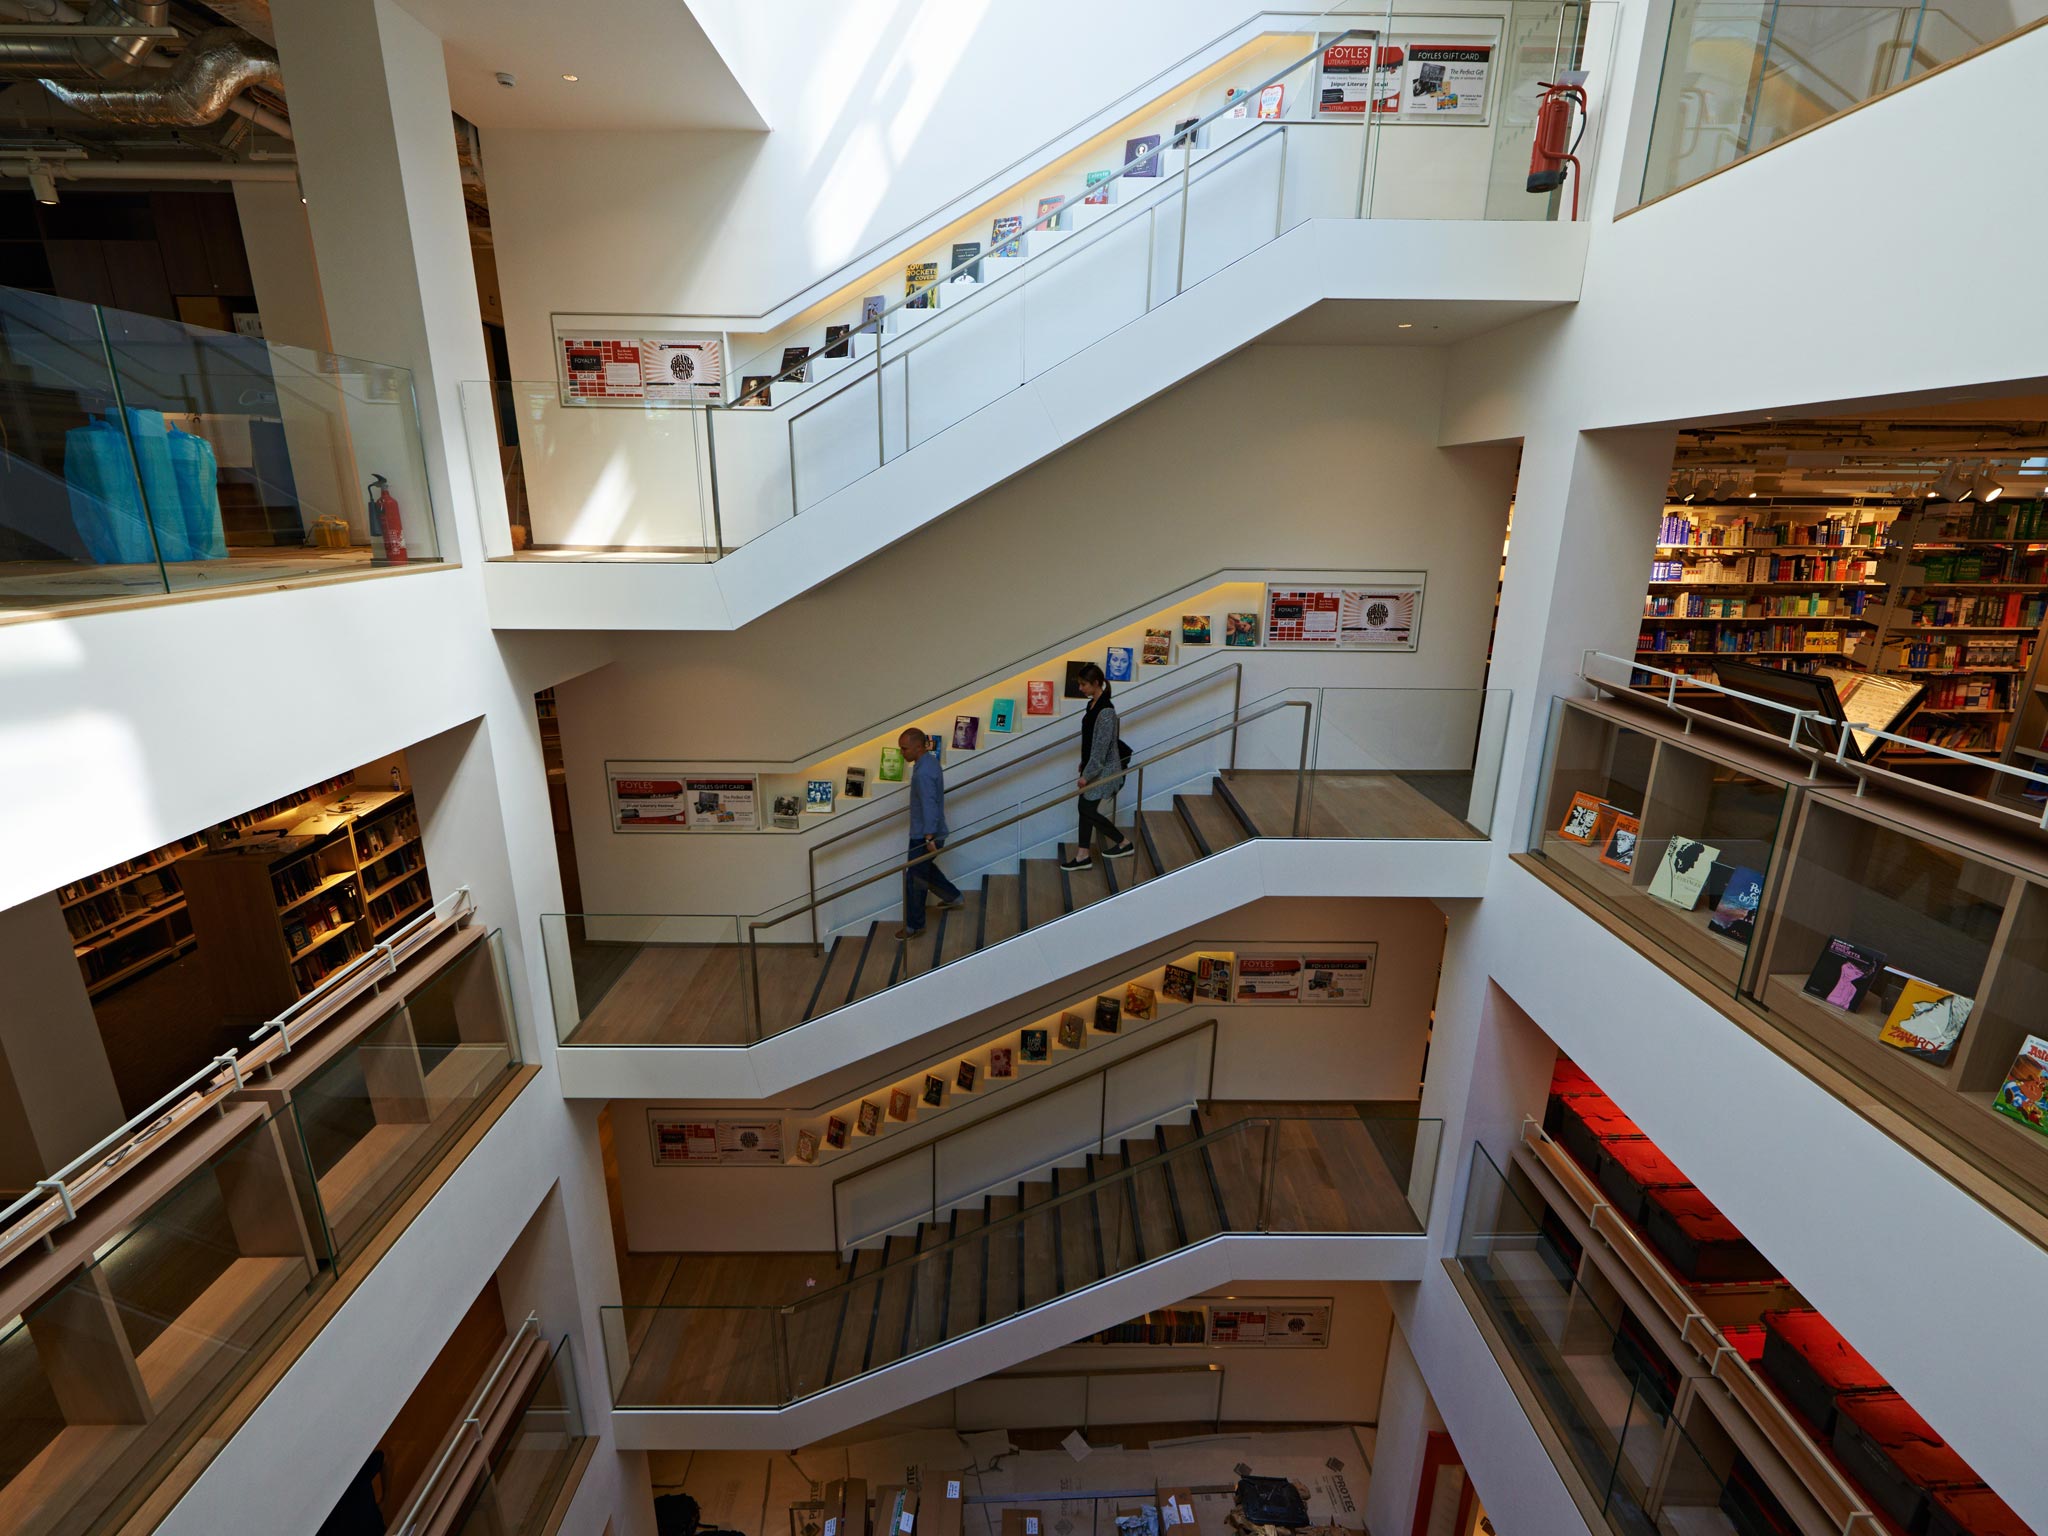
(917, 878)
(1092, 820)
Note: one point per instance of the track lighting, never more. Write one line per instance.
(42, 183)
(1986, 485)
(1689, 487)
(1945, 487)
(1725, 488)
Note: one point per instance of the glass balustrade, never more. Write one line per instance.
(142, 457)
(801, 413)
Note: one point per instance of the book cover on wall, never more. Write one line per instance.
(837, 341)
(1240, 629)
(890, 770)
(1619, 851)
(1681, 874)
(1073, 687)
(796, 365)
(1215, 978)
(787, 811)
(969, 252)
(1178, 984)
(1337, 979)
(1586, 820)
(1070, 1031)
(1141, 155)
(1194, 629)
(1109, 1015)
(818, 795)
(900, 1101)
(1116, 665)
(966, 732)
(1002, 1061)
(1035, 1044)
(935, 742)
(1735, 913)
(1927, 1021)
(1038, 699)
(1273, 99)
(835, 1133)
(874, 313)
(919, 290)
(1101, 189)
(856, 786)
(1002, 236)
(1158, 648)
(1050, 215)
(1269, 979)
(1140, 1002)
(964, 1078)
(807, 1146)
(868, 1120)
(754, 391)
(2025, 1084)
(1843, 974)
(934, 1091)
(1002, 715)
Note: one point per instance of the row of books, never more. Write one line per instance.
(1680, 531)
(2017, 520)
(94, 915)
(1992, 610)
(114, 874)
(1959, 735)
(1722, 569)
(1170, 1325)
(1741, 641)
(1842, 603)
(1969, 692)
(1976, 565)
(1953, 656)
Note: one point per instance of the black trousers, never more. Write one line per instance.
(1092, 819)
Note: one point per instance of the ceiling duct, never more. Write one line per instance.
(88, 58)
(215, 68)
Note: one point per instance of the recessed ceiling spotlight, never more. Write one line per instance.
(42, 183)
(570, 78)
(1405, 325)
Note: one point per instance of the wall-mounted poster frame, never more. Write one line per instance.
(678, 1139)
(676, 797)
(618, 364)
(1379, 616)
(1271, 1322)
(1435, 70)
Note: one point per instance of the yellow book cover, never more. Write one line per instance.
(1926, 1021)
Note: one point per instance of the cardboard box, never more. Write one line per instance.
(941, 1508)
(846, 1507)
(1177, 1512)
(891, 1501)
(1023, 1522)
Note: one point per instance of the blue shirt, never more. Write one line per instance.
(927, 798)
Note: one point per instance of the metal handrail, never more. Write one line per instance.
(471, 1421)
(54, 1201)
(1235, 668)
(1136, 765)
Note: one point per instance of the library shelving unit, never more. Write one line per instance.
(312, 888)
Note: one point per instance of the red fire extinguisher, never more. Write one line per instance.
(1552, 151)
(385, 521)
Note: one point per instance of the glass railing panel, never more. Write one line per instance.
(262, 462)
(381, 1113)
(113, 1375)
(533, 1461)
(647, 978)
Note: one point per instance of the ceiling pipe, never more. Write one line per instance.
(99, 57)
(262, 117)
(214, 69)
(16, 168)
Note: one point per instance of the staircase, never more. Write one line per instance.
(860, 964)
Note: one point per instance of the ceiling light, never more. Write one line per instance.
(1986, 486)
(1725, 488)
(42, 183)
(570, 78)
(1405, 325)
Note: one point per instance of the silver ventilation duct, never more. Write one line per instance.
(215, 68)
(87, 58)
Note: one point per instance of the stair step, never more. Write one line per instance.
(878, 969)
(1245, 820)
(1215, 829)
(1146, 1198)
(1080, 1259)
(1045, 897)
(963, 1283)
(927, 1291)
(1234, 1162)
(916, 956)
(1167, 842)
(856, 1317)
(1111, 1209)
(1000, 905)
(835, 976)
(1001, 1257)
(1041, 1279)
(1087, 886)
(962, 933)
(1192, 1186)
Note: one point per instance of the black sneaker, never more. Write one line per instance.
(1122, 850)
(1077, 863)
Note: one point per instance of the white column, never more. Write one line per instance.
(279, 245)
(1406, 1417)
(57, 1094)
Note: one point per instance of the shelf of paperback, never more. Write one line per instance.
(1902, 944)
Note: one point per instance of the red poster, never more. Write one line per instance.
(1302, 618)
(603, 368)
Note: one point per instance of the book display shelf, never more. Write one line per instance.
(1898, 934)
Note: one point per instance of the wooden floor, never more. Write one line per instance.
(702, 994)
(738, 1329)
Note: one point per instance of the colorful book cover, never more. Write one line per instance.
(837, 341)
(934, 1090)
(935, 742)
(1215, 978)
(873, 312)
(1038, 699)
(868, 1120)
(1735, 913)
(966, 263)
(754, 391)
(1141, 155)
(856, 786)
(1586, 820)
(1049, 213)
(2021, 1097)
(900, 1101)
(1002, 715)
(1927, 1021)
(835, 1133)
(1002, 237)
(1073, 685)
(1194, 629)
(1070, 1031)
(918, 290)
(1178, 984)
(807, 1146)
(1240, 629)
(1035, 1044)
(966, 732)
(1002, 1061)
(964, 1078)
(1619, 851)
(1273, 99)
(891, 769)
(1158, 648)
(1109, 1015)
(785, 811)
(1139, 1001)
(1681, 874)
(1181, 133)
(796, 365)
(1269, 979)
(1843, 973)
(1116, 665)
(1101, 189)
(818, 795)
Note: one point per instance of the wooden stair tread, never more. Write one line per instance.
(957, 939)
(835, 976)
(1214, 826)
(1191, 1186)
(1001, 1250)
(1041, 1270)
(963, 1285)
(916, 956)
(878, 967)
(1167, 839)
(1080, 1264)
(1087, 886)
(1044, 896)
(1001, 913)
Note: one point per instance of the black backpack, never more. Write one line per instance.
(1123, 753)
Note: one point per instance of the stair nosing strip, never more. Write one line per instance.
(818, 987)
(853, 982)
(1235, 807)
(1187, 819)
